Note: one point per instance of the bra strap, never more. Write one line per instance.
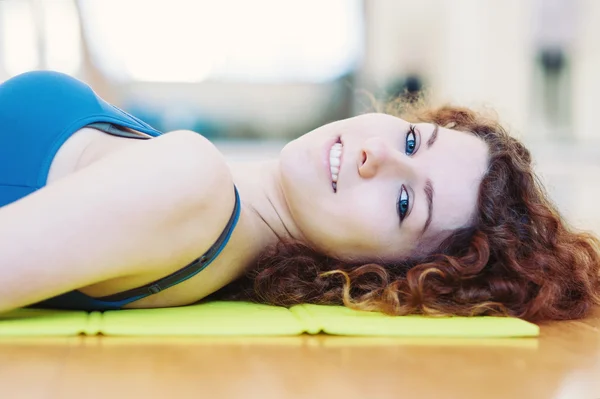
(185, 273)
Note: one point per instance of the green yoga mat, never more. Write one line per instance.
(249, 319)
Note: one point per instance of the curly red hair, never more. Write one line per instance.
(518, 258)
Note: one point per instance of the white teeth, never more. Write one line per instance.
(334, 162)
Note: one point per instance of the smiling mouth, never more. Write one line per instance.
(335, 162)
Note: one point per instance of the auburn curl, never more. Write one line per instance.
(518, 258)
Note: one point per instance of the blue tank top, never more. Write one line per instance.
(39, 111)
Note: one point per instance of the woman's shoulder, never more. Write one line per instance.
(141, 210)
(201, 168)
(180, 171)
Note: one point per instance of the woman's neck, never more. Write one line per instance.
(266, 216)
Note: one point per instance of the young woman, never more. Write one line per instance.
(439, 215)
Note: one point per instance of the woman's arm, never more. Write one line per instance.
(119, 216)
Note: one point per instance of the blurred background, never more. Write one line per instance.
(251, 75)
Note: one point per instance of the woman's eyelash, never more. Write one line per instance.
(403, 203)
(410, 144)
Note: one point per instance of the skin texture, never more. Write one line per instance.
(360, 221)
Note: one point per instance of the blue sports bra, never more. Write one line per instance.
(39, 111)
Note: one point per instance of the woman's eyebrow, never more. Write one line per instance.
(433, 136)
(429, 195)
(428, 189)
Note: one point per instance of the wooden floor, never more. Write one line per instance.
(563, 363)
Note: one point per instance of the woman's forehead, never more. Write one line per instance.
(455, 164)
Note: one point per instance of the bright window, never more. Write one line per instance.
(258, 40)
(18, 34)
(39, 34)
(62, 35)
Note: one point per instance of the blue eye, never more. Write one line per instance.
(411, 141)
(403, 202)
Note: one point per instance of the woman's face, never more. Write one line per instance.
(401, 188)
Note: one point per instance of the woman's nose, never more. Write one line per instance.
(377, 156)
